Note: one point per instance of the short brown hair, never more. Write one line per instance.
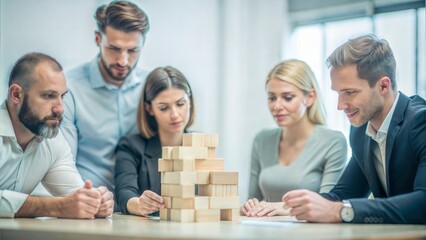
(373, 58)
(158, 80)
(122, 15)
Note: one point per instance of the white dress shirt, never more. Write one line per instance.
(380, 138)
(48, 161)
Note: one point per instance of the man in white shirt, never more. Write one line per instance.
(33, 149)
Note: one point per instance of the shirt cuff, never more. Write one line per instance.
(11, 202)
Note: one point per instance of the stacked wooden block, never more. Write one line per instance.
(195, 166)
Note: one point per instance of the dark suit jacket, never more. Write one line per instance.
(136, 168)
(405, 169)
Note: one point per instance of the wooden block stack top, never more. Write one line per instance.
(194, 184)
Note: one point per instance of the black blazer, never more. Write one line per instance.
(405, 169)
(136, 168)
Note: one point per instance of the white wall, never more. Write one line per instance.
(225, 48)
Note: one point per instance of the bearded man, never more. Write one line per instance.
(34, 151)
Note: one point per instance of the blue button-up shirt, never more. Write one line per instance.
(96, 115)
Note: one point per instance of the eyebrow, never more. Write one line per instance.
(182, 98)
(53, 91)
(113, 46)
(288, 92)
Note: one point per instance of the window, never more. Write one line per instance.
(313, 41)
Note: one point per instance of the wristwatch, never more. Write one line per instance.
(347, 212)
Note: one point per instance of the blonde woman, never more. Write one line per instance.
(301, 152)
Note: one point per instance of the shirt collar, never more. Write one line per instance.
(6, 127)
(383, 130)
(97, 81)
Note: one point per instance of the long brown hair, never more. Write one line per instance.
(158, 80)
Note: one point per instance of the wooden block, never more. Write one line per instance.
(174, 190)
(224, 202)
(207, 215)
(230, 214)
(203, 177)
(184, 165)
(165, 165)
(168, 202)
(182, 215)
(197, 202)
(181, 178)
(222, 177)
(211, 152)
(206, 190)
(165, 214)
(209, 164)
(167, 152)
(193, 139)
(189, 152)
(220, 190)
(211, 140)
(233, 191)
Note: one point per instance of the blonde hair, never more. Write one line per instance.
(158, 80)
(299, 74)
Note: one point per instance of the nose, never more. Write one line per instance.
(58, 107)
(173, 113)
(123, 58)
(277, 105)
(341, 104)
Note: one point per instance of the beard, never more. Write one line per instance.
(38, 126)
(371, 110)
(108, 69)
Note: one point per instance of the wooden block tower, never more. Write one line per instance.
(195, 166)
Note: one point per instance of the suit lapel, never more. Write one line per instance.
(152, 153)
(394, 126)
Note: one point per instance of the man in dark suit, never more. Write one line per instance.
(388, 140)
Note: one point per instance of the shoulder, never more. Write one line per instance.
(140, 72)
(132, 139)
(415, 118)
(324, 132)
(268, 135)
(416, 107)
(77, 75)
(57, 146)
(138, 76)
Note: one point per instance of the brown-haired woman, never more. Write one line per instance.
(165, 111)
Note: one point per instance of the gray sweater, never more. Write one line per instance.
(317, 168)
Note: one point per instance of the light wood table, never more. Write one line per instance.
(132, 227)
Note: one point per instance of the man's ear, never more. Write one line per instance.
(98, 38)
(384, 84)
(16, 93)
(148, 108)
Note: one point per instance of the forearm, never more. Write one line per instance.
(36, 206)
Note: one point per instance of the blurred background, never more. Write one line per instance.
(226, 49)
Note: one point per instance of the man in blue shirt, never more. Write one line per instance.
(104, 93)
